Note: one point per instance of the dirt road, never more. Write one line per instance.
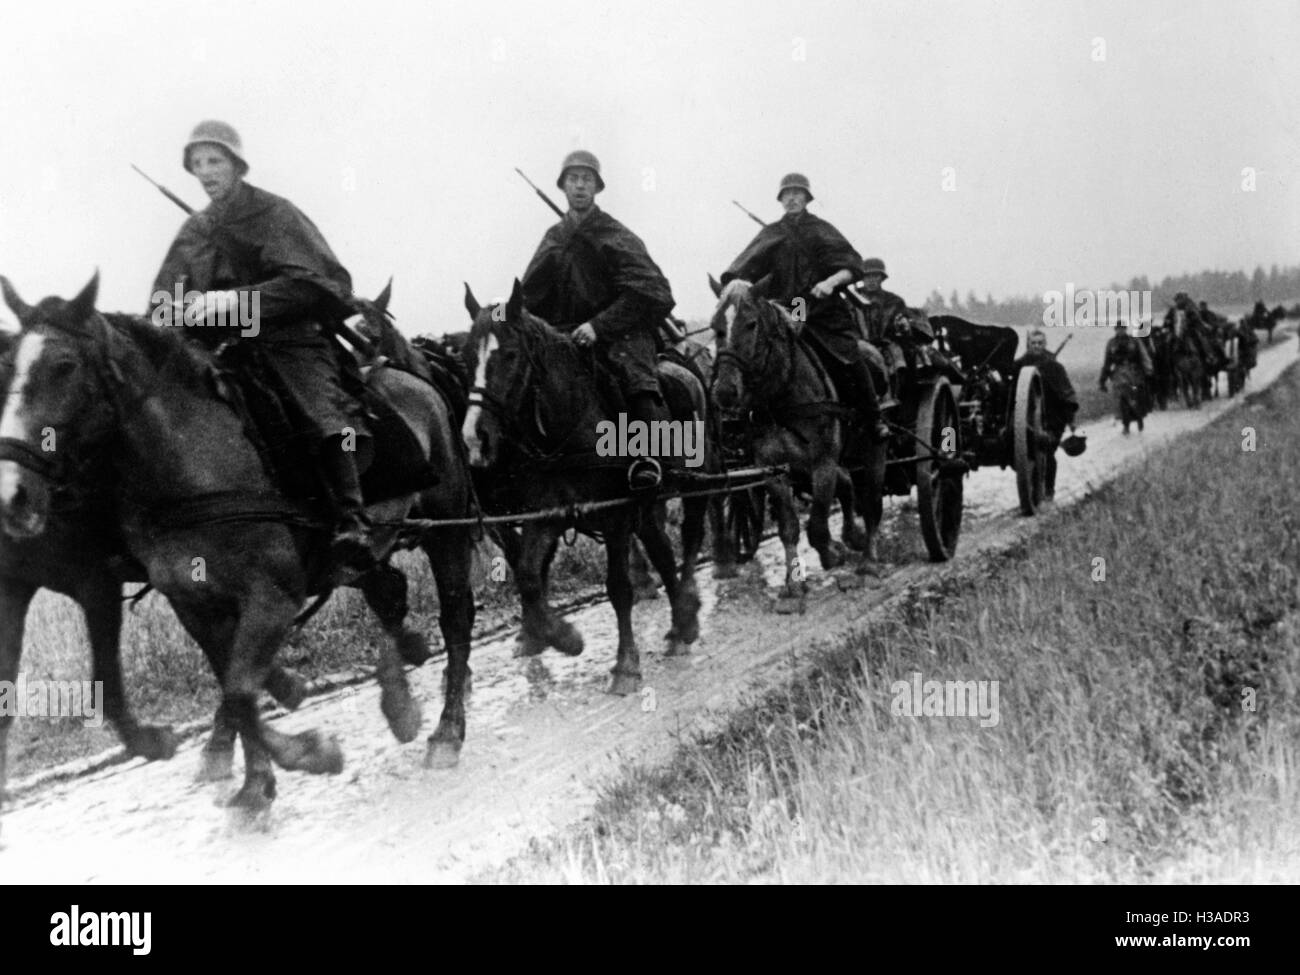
(542, 734)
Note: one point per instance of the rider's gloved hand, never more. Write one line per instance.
(584, 334)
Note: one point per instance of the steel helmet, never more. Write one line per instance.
(795, 181)
(583, 158)
(1075, 444)
(874, 265)
(212, 132)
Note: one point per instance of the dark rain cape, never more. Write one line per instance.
(1060, 402)
(259, 242)
(799, 251)
(598, 271)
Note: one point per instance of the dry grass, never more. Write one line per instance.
(1125, 752)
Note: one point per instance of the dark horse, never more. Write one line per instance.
(199, 511)
(534, 428)
(765, 367)
(81, 555)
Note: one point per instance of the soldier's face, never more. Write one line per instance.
(215, 170)
(580, 187)
(1037, 343)
(794, 200)
(871, 283)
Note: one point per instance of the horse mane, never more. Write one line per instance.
(162, 347)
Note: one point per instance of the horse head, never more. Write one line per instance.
(497, 358)
(748, 328)
(51, 402)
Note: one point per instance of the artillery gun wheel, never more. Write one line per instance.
(1031, 443)
(939, 491)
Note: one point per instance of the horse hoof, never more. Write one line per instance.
(646, 592)
(413, 647)
(788, 605)
(856, 540)
(832, 557)
(566, 639)
(256, 795)
(321, 755)
(675, 646)
(287, 687)
(625, 684)
(528, 646)
(215, 766)
(153, 743)
(402, 712)
(442, 754)
(848, 581)
(727, 570)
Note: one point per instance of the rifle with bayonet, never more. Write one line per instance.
(668, 326)
(342, 329)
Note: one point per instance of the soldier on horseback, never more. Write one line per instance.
(591, 277)
(251, 241)
(810, 261)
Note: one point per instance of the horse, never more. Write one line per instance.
(199, 511)
(764, 366)
(534, 428)
(1161, 384)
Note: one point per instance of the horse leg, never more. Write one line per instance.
(264, 619)
(870, 484)
(626, 676)
(541, 628)
(724, 551)
(852, 533)
(825, 477)
(787, 515)
(451, 556)
(100, 598)
(643, 586)
(15, 597)
(683, 597)
(385, 590)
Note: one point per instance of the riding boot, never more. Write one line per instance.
(867, 400)
(351, 542)
(646, 473)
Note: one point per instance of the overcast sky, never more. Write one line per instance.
(1086, 142)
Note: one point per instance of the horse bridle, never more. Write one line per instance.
(752, 374)
(510, 414)
(107, 376)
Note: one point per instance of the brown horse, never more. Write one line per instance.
(199, 511)
(764, 368)
(534, 429)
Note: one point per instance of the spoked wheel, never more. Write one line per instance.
(743, 520)
(939, 490)
(1031, 442)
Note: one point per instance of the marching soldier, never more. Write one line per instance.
(592, 278)
(1127, 364)
(810, 260)
(1060, 402)
(251, 241)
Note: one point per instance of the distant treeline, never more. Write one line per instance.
(1274, 286)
